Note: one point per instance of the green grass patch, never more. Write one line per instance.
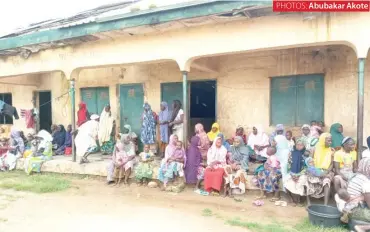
(37, 183)
(306, 226)
(207, 212)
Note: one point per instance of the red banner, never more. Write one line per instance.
(320, 6)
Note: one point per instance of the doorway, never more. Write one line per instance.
(44, 103)
(202, 104)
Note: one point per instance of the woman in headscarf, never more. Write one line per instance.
(67, 142)
(193, 161)
(239, 132)
(42, 151)
(128, 131)
(123, 158)
(106, 132)
(279, 130)
(164, 118)
(82, 114)
(236, 170)
(177, 119)
(258, 141)
(173, 162)
(204, 141)
(296, 179)
(148, 128)
(59, 137)
(15, 150)
(86, 138)
(336, 131)
(53, 129)
(309, 141)
(215, 130)
(318, 185)
(345, 163)
(225, 143)
(216, 161)
(282, 153)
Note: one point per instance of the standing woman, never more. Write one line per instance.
(336, 131)
(177, 120)
(148, 128)
(163, 120)
(82, 114)
(282, 153)
(216, 161)
(204, 141)
(106, 131)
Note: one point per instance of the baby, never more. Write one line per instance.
(272, 160)
(315, 129)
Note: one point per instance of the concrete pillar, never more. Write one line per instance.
(185, 106)
(360, 106)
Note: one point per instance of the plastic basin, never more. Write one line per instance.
(324, 215)
(352, 223)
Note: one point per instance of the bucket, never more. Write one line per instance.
(324, 215)
(352, 223)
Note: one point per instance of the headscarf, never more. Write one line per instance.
(59, 137)
(46, 139)
(16, 139)
(175, 110)
(215, 153)
(212, 135)
(322, 155)
(82, 114)
(130, 132)
(224, 142)
(312, 169)
(105, 126)
(148, 129)
(297, 158)
(240, 153)
(336, 136)
(128, 146)
(164, 116)
(204, 141)
(260, 139)
(279, 127)
(171, 147)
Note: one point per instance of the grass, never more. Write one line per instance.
(304, 226)
(37, 183)
(207, 212)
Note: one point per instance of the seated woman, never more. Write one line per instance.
(41, 152)
(296, 180)
(258, 141)
(67, 145)
(236, 170)
(123, 159)
(345, 163)
(336, 131)
(128, 131)
(214, 132)
(216, 162)
(319, 171)
(225, 143)
(239, 132)
(173, 162)
(144, 170)
(279, 130)
(269, 178)
(15, 150)
(59, 137)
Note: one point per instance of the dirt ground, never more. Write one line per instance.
(92, 206)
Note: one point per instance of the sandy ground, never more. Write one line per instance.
(92, 206)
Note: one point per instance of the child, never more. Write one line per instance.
(179, 156)
(272, 160)
(144, 170)
(315, 129)
(291, 140)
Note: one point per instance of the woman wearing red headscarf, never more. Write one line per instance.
(82, 114)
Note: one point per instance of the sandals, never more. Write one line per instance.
(281, 203)
(274, 199)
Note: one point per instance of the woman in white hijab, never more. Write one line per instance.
(85, 140)
(258, 141)
(106, 132)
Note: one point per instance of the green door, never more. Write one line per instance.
(131, 106)
(171, 92)
(310, 98)
(95, 98)
(283, 101)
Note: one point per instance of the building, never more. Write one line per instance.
(242, 64)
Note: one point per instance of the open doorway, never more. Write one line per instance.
(202, 104)
(44, 103)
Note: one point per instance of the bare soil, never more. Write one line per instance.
(91, 206)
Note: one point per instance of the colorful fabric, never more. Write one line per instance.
(213, 179)
(105, 126)
(336, 136)
(164, 117)
(193, 160)
(28, 117)
(240, 154)
(145, 168)
(224, 142)
(108, 146)
(268, 179)
(323, 154)
(216, 160)
(315, 184)
(297, 159)
(212, 135)
(148, 128)
(364, 166)
(82, 114)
